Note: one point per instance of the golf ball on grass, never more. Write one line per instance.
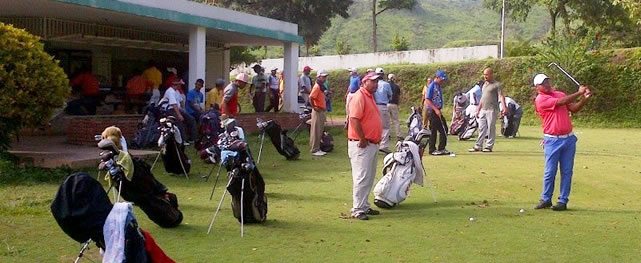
(472, 219)
(522, 210)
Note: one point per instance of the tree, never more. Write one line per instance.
(312, 16)
(400, 43)
(342, 47)
(32, 83)
(633, 7)
(520, 9)
(382, 6)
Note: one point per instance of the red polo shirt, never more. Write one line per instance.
(556, 119)
(363, 107)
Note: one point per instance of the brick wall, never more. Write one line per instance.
(82, 129)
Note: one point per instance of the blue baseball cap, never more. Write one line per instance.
(441, 74)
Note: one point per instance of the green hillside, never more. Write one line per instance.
(432, 24)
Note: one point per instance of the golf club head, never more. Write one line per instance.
(108, 145)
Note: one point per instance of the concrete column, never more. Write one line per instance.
(197, 54)
(290, 71)
(226, 63)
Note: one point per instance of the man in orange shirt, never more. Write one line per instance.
(364, 132)
(317, 100)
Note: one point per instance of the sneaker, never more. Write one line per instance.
(543, 204)
(445, 152)
(560, 207)
(361, 216)
(437, 152)
(372, 212)
(474, 149)
(487, 150)
(319, 153)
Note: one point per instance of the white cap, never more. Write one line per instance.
(352, 69)
(391, 76)
(539, 78)
(379, 71)
(242, 77)
(322, 73)
(173, 70)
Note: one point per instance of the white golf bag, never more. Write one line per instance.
(400, 168)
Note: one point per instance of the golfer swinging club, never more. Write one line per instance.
(559, 142)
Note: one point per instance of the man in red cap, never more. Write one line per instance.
(364, 132)
(305, 84)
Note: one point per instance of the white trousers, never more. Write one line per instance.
(363, 162)
(385, 118)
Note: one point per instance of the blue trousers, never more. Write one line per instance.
(559, 152)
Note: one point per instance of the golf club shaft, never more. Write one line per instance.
(215, 182)
(242, 214)
(566, 74)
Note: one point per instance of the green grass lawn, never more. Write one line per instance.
(307, 199)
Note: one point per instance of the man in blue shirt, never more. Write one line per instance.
(354, 85)
(434, 104)
(194, 99)
(382, 96)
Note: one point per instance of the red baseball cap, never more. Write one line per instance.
(307, 68)
(370, 76)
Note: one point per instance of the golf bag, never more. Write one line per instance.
(400, 169)
(148, 129)
(471, 125)
(458, 116)
(150, 195)
(327, 142)
(510, 122)
(208, 130)
(81, 207)
(416, 133)
(172, 149)
(246, 182)
(283, 143)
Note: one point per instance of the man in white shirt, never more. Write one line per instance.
(173, 101)
(305, 84)
(274, 91)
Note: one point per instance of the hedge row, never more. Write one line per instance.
(614, 79)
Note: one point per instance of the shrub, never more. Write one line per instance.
(32, 83)
(342, 47)
(400, 43)
(614, 77)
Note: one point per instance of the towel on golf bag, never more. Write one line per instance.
(400, 168)
(327, 142)
(172, 151)
(81, 207)
(151, 196)
(123, 240)
(283, 143)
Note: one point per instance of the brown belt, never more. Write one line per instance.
(355, 140)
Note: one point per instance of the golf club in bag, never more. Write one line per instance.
(245, 183)
(172, 149)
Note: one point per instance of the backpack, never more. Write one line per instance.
(400, 170)
(327, 142)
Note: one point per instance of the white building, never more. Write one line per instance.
(117, 36)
